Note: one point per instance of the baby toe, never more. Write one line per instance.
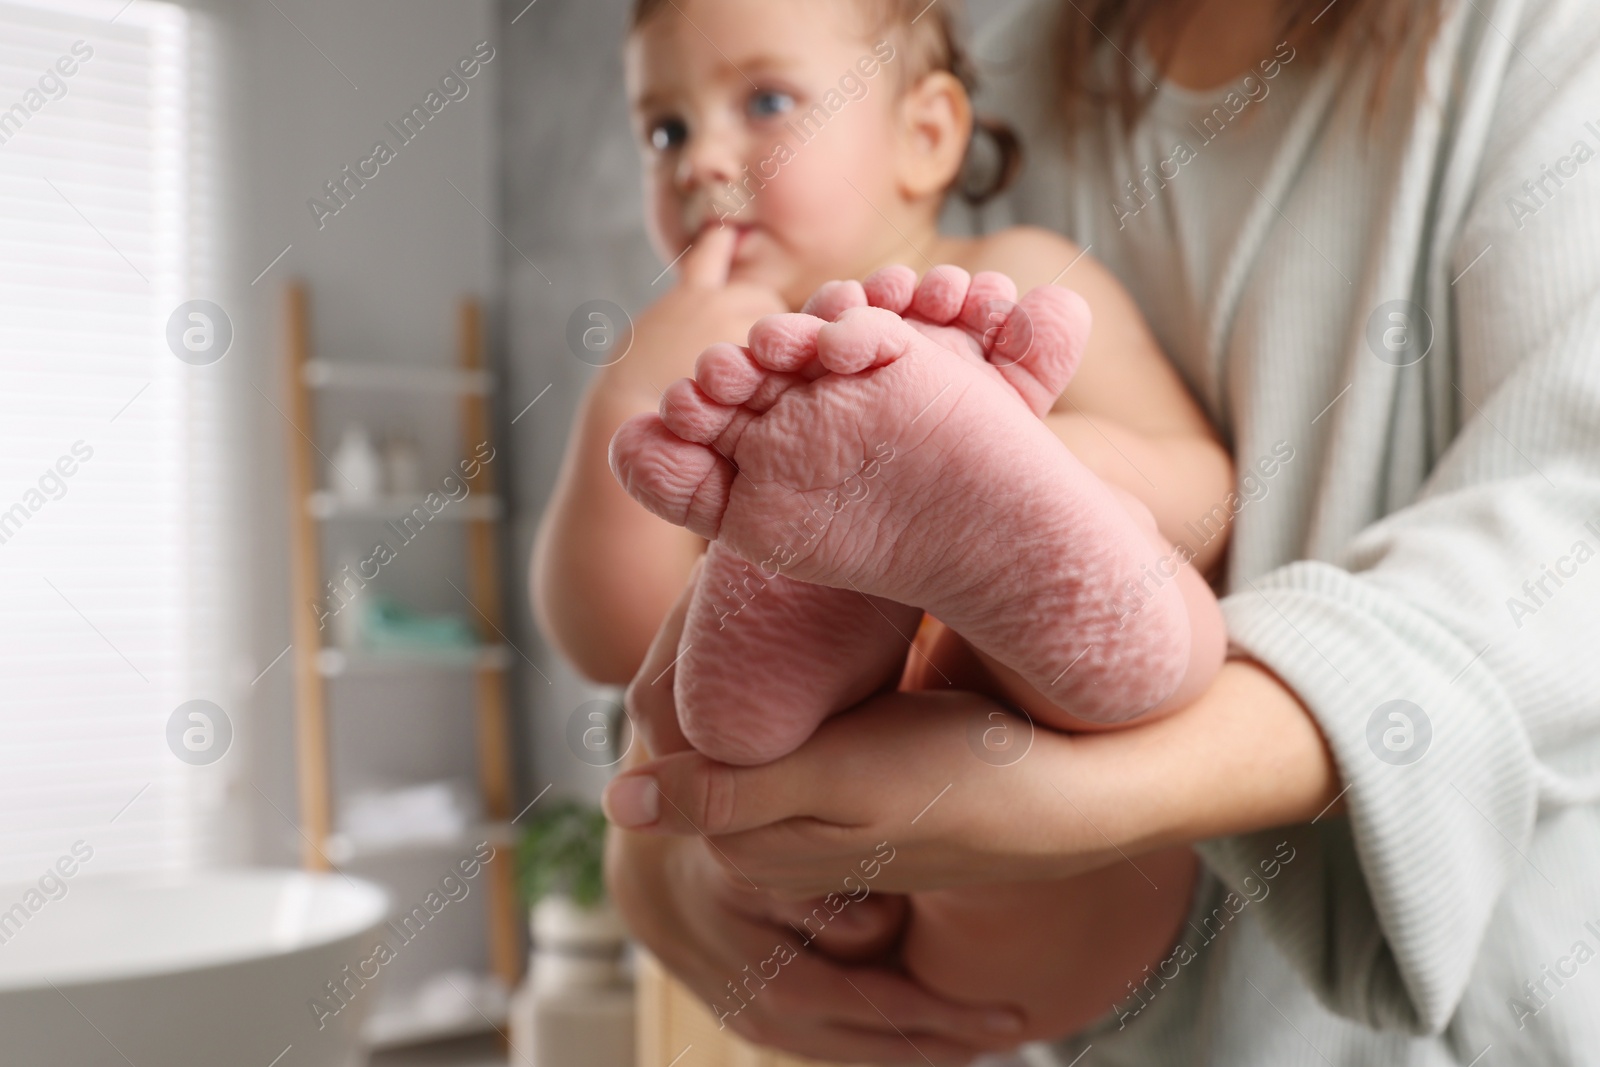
(686, 484)
(1041, 343)
(785, 342)
(728, 374)
(891, 288)
(834, 298)
(692, 415)
(863, 338)
(989, 302)
(941, 294)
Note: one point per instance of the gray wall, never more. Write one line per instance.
(570, 196)
(384, 275)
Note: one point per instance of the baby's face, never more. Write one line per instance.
(763, 116)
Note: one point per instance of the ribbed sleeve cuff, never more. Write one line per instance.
(1387, 905)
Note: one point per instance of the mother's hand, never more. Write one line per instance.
(897, 776)
(912, 770)
(738, 946)
(728, 944)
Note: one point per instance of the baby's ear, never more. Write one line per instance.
(935, 126)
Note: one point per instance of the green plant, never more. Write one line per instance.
(563, 851)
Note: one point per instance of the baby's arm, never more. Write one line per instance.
(605, 570)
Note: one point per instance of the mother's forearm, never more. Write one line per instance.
(1246, 756)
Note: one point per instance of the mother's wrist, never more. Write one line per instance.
(1245, 756)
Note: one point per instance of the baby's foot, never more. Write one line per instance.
(765, 659)
(871, 461)
(809, 650)
(858, 454)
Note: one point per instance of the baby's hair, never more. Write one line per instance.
(930, 38)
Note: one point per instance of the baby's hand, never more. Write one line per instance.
(704, 307)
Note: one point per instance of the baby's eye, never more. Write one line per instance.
(668, 134)
(765, 103)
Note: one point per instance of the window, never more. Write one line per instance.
(113, 579)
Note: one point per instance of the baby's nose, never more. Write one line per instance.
(708, 163)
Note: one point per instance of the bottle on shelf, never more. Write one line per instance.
(357, 474)
(403, 465)
(348, 632)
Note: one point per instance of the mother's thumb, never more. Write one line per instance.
(686, 793)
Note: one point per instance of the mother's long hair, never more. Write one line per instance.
(1384, 30)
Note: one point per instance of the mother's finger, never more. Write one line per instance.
(648, 699)
(686, 793)
(844, 928)
(858, 768)
(909, 1007)
(761, 975)
(866, 1013)
(837, 1043)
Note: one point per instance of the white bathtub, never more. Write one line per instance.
(211, 970)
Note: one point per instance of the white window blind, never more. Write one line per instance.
(112, 592)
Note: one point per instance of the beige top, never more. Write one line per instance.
(1408, 308)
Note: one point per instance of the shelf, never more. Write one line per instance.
(388, 377)
(339, 662)
(325, 504)
(341, 850)
(426, 393)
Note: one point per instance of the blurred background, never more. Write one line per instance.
(278, 413)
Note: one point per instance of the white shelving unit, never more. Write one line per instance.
(341, 849)
(383, 377)
(319, 668)
(339, 662)
(326, 505)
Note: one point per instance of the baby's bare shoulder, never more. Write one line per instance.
(1031, 256)
(1035, 257)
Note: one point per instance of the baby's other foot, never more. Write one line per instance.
(764, 659)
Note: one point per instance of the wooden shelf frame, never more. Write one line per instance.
(469, 382)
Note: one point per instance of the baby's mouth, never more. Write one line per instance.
(743, 231)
